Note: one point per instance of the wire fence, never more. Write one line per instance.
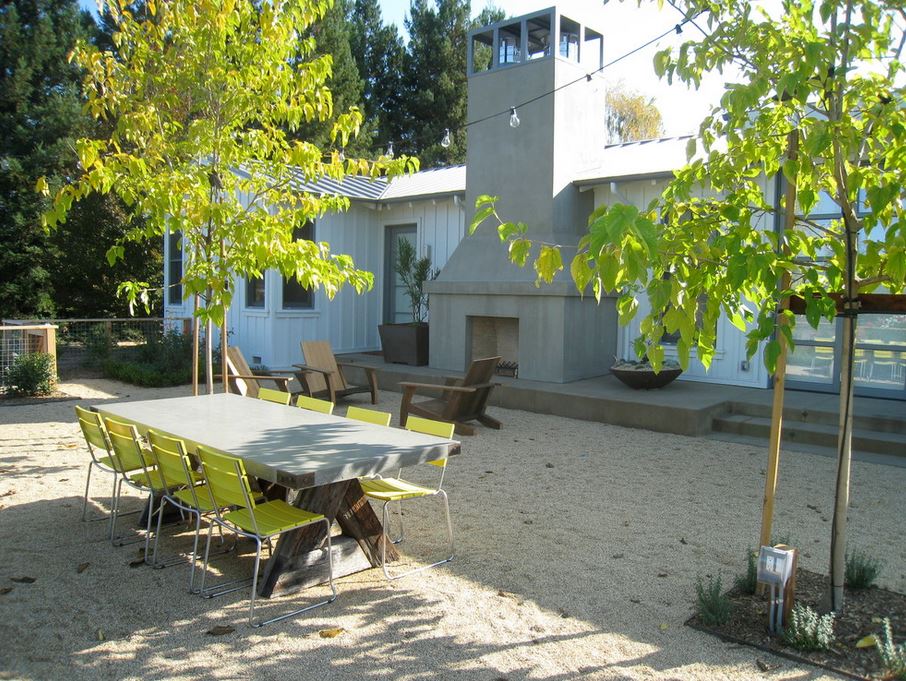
(23, 339)
(80, 341)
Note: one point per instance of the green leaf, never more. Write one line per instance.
(609, 270)
(519, 251)
(480, 216)
(549, 262)
(581, 271)
(771, 353)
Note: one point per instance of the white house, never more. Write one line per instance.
(550, 171)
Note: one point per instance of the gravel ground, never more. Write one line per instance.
(578, 545)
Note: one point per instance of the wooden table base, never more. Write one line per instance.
(298, 562)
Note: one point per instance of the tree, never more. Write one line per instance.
(203, 95)
(819, 101)
(333, 37)
(435, 80)
(380, 56)
(41, 115)
(630, 116)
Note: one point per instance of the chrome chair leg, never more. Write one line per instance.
(279, 618)
(384, 517)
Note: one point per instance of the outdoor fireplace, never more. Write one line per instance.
(495, 336)
(482, 304)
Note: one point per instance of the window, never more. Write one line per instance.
(296, 296)
(254, 292)
(174, 268)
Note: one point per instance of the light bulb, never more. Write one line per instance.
(446, 141)
(390, 150)
(514, 119)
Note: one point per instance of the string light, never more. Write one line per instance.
(390, 149)
(446, 141)
(342, 154)
(514, 119)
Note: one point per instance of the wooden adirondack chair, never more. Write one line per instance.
(322, 375)
(460, 401)
(241, 378)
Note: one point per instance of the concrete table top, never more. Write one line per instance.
(293, 447)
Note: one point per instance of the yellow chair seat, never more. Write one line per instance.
(271, 517)
(393, 489)
(154, 482)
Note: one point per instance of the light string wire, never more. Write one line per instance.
(678, 28)
(511, 110)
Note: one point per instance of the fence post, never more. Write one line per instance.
(50, 342)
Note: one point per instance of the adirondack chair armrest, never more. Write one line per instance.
(279, 380)
(408, 387)
(308, 369)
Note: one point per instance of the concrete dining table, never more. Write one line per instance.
(321, 456)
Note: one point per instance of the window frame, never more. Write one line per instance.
(291, 282)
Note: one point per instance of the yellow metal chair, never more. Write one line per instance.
(883, 359)
(387, 490)
(379, 418)
(229, 483)
(129, 455)
(96, 439)
(271, 395)
(181, 488)
(314, 404)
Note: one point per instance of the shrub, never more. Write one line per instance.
(713, 606)
(98, 345)
(161, 361)
(807, 630)
(149, 376)
(30, 374)
(861, 569)
(893, 657)
(748, 582)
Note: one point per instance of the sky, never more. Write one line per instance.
(624, 26)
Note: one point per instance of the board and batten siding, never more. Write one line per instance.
(271, 335)
(729, 366)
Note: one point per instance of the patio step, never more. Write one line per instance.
(814, 433)
(870, 422)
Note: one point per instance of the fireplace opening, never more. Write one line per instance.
(492, 336)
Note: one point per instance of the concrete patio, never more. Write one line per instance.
(690, 408)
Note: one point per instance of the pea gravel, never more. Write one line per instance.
(577, 549)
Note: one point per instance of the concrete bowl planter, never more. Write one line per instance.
(405, 343)
(640, 375)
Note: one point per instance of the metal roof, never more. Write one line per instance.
(638, 160)
(427, 183)
(352, 186)
(424, 184)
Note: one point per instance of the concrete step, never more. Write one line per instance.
(791, 446)
(870, 422)
(819, 434)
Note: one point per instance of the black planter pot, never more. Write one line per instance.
(641, 379)
(405, 343)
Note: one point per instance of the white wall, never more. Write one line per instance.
(349, 321)
(727, 363)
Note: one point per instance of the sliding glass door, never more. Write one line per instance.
(880, 356)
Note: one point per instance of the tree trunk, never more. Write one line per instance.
(196, 332)
(209, 357)
(770, 478)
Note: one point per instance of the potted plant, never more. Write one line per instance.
(408, 343)
(640, 374)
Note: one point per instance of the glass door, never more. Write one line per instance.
(397, 309)
(879, 364)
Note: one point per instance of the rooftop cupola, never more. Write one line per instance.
(540, 35)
